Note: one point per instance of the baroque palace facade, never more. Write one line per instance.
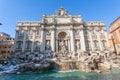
(61, 33)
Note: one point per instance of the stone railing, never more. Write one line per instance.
(94, 24)
(29, 23)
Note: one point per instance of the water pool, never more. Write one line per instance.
(77, 75)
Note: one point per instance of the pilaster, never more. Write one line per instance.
(33, 41)
(91, 41)
(99, 40)
(15, 40)
(82, 40)
(56, 45)
(107, 39)
(69, 45)
(24, 41)
(53, 38)
(43, 40)
(72, 40)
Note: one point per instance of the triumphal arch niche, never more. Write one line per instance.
(63, 42)
(61, 33)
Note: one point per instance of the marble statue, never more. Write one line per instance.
(63, 47)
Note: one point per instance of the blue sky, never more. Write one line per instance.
(12, 11)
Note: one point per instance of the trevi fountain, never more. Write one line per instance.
(58, 45)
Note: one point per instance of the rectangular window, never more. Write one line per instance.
(21, 32)
(38, 32)
(30, 32)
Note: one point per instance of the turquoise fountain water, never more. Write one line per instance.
(78, 75)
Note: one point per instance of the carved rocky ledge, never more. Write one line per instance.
(94, 61)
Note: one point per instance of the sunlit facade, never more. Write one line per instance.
(61, 32)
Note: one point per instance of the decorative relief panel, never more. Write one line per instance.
(63, 20)
(77, 19)
(49, 20)
(48, 32)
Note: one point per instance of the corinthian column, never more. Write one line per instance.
(53, 39)
(56, 45)
(106, 38)
(16, 37)
(33, 40)
(82, 40)
(69, 45)
(91, 41)
(72, 41)
(24, 41)
(99, 40)
(43, 36)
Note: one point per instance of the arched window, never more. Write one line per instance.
(21, 32)
(30, 32)
(37, 32)
(19, 45)
(28, 45)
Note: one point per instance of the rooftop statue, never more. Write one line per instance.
(62, 12)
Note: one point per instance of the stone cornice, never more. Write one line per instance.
(29, 23)
(57, 16)
(94, 24)
(62, 24)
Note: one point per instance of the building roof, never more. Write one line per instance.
(4, 33)
(115, 20)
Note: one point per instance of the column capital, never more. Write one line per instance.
(82, 40)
